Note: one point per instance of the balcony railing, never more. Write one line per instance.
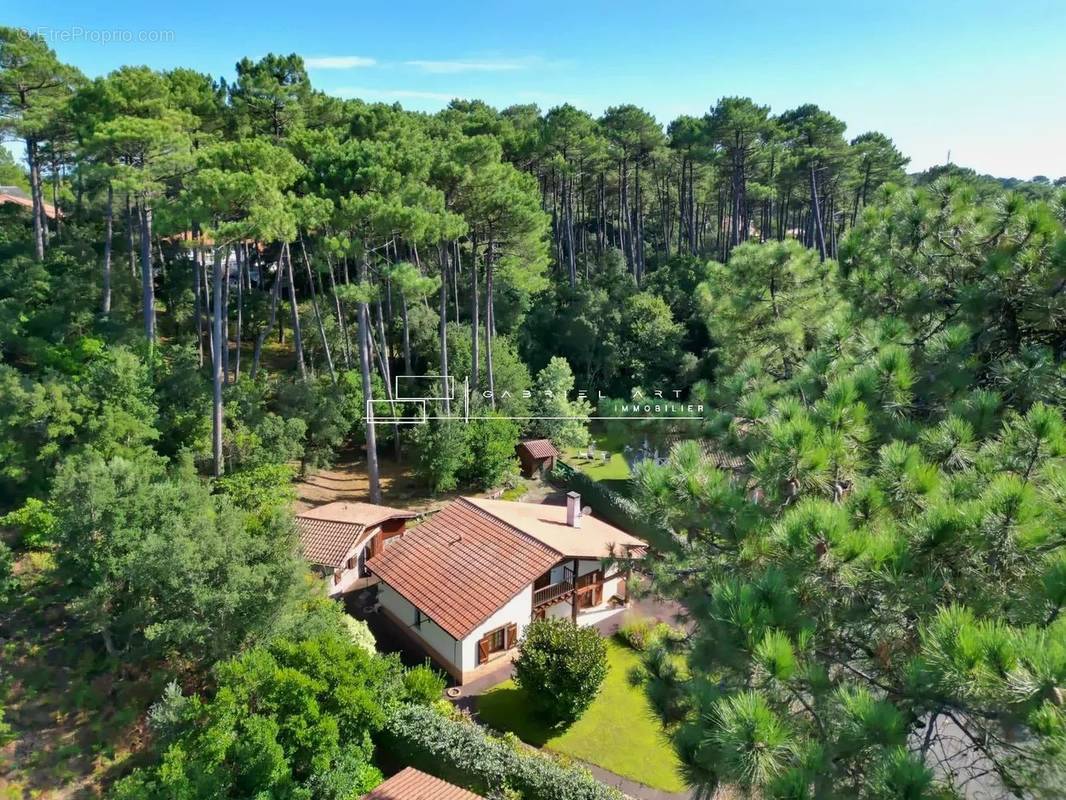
(551, 593)
(559, 590)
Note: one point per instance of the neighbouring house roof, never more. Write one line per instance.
(475, 555)
(539, 448)
(547, 524)
(329, 532)
(16, 196)
(462, 565)
(413, 784)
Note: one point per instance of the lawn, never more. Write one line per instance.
(618, 732)
(614, 470)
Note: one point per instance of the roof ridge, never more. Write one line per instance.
(511, 526)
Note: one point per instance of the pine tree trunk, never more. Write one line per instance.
(130, 251)
(475, 356)
(318, 314)
(406, 335)
(147, 278)
(105, 305)
(198, 301)
(206, 303)
(442, 252)
(489, 321)
(816, 217)
(345, 338)
(297, 337)
(217, 278)
(364, 367)
(35, 195)
(225, 319)
(242, 270)
(275, 297)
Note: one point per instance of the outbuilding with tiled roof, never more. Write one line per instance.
(536, 456)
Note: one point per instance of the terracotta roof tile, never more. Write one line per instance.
(539, 448)
(330, 531)
(462, 565)
(413, 784)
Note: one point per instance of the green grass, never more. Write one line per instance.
(619, 732)
(614, 470)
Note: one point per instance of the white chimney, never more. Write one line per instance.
(573, 509)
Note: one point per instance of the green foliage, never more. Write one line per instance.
(294, 719)
(8, 582)
(34, 522)
(556, 415)
(359, 633)
(561, 666)
(491, 460)
(423, 684)
(461, 752)
(884, 566)
(263, 490)
(645, 634)
(442, 450)
(158, 566)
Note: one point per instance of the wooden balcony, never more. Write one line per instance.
(561, 590)
(554, 592)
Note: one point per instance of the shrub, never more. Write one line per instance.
(561, 667)
(636, 634)
(35, 523)
(462, 752)
(8, 582)
(359, 633)
(641, 635)
(291, 720)
(423, 684)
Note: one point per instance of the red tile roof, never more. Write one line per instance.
(539, 448)
(462, 565)
(329, 532)
(413, 784)
(15, 196)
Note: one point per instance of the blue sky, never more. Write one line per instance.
(985, 80)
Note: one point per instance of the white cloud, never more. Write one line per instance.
(338, 62)
(393, 94)
(452, 67)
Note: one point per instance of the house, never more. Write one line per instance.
(413, 784)
(338, 538)
(536, 456)
(13, 195)
(465, 584)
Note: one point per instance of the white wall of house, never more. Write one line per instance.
(518, 611)
(436, 638)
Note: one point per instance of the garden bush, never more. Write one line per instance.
(423, 684)
(561, 667)
(641, 634)
(461, 752)
(636, 634)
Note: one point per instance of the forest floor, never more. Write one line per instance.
(347, 480)
(76, 720)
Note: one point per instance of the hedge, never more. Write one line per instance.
(463, 753)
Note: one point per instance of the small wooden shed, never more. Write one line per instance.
(536, 456)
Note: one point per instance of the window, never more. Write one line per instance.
(497, 640)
